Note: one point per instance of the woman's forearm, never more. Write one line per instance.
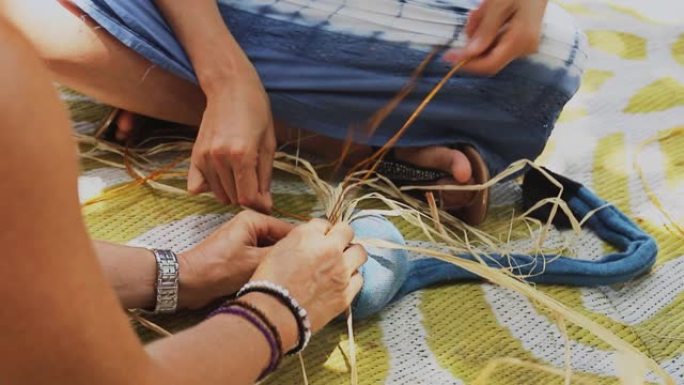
(236, 140)
(240, 356)
(215, 54)
(222, 350)
(131, 272)
(61, 311)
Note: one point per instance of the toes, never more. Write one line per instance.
(125, 123)
(441, 158)
(461, 168)
(438, 158)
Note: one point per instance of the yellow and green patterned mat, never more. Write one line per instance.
(633, 89)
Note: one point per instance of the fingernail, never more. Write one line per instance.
(268, 201)
(474, 44)
(452, 56)
(192, 190)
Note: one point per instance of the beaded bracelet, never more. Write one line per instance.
(283, 295)
(257, 318)
(262, 316)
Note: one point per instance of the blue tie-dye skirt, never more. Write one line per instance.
(329, 65)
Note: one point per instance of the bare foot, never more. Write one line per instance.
(125, 126)
(451, 161)
(130, 128)
(441, 158)
(445, 159)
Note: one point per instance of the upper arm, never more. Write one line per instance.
(57, 309)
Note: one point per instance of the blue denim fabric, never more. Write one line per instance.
(328, 66)
(384, 272)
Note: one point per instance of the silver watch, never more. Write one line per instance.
(167, 281)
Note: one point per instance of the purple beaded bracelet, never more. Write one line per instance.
(262, 325)
(283, 295)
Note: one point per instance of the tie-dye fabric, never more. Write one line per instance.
(329, 65)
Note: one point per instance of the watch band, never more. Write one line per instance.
(167, 281)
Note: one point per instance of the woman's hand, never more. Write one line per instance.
(316, 263)
(233, 154)
(500, 31)
(226, 260)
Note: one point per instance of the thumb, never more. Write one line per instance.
(257, 254)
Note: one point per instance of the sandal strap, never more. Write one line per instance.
(402, 173)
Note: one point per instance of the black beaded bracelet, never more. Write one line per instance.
(283, 295)
(262, 316)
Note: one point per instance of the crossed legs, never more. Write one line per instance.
(86, 58)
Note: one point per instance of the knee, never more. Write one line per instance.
(56, 32)
(563, 45)
(25, 84)
(540, 85)
(18, 59)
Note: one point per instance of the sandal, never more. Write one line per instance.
(471, 208)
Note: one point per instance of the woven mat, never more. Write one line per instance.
(633, 89)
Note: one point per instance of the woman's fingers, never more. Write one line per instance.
(212, 179)
(493, 61)
(354, 257)
(483, 30)
(233, 177)
(473, 23)
(500, 31)
(518, 40)
(265, 227)
(354, 287)
(265, 170)
(196, 182)
(316, 226)
(495, 14)
(246, 179)
(238, 172)
(224, 174)
(342, 234)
